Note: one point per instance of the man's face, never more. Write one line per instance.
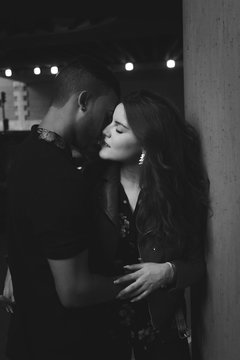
(98, 115)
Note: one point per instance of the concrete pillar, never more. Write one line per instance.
(211, 32)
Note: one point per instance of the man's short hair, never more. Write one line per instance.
(83, 73)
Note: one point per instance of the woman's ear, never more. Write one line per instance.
(83, 100)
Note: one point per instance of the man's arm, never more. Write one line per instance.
(65, 235)
(76, 286)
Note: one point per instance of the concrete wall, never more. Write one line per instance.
(212, 87)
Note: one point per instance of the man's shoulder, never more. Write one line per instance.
(43, 153)
(40, 164)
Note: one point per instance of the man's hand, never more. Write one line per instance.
(144, 278)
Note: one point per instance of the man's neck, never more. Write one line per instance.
(53, 121)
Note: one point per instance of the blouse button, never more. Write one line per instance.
(154, 249)
(124, 201)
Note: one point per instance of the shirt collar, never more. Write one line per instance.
(50, 137)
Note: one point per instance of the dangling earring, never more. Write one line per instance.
(141, 159)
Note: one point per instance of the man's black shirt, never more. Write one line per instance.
(47, 219)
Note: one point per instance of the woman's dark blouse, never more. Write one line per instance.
(134, 317)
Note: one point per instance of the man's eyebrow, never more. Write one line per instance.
(119, 123)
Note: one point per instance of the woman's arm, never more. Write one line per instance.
(144, 278)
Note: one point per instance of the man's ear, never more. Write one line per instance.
(83, 100)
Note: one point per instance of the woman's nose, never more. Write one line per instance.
(106, 131)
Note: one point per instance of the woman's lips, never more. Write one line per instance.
(105, 144)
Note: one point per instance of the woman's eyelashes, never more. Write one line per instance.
(119, 131)
(119, 128)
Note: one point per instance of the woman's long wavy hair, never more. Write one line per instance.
(173, 179)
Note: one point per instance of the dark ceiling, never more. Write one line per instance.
(147, 38)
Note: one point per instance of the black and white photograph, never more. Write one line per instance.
(120, 181)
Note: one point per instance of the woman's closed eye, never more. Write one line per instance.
(120, 128)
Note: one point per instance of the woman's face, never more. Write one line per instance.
(119, 141)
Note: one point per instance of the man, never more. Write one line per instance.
(49, 224)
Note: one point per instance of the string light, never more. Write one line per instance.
(129, 66)
(37, 70)
(54, 70)
(171, 63)
(8, 72)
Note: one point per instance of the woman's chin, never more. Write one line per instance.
(102, 154)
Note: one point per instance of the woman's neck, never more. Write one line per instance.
(130, 175)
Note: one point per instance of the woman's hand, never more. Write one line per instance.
(144, 278)
(7, 299)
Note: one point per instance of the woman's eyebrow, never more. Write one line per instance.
(119, 123)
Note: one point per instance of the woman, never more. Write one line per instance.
(150, 209)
